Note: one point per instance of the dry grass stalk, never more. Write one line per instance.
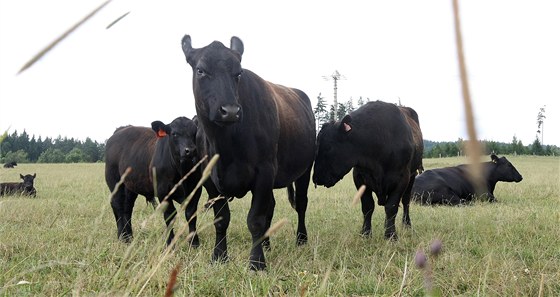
(275, 227)
(49, 47)
(358, 195)
(117, 20)
(473, 146)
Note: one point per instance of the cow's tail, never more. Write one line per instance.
(292, 196)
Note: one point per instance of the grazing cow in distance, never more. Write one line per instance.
(452, 185)
(264, 134)
(377, 142)
(22, 188)
(169, 151)
(10, 164)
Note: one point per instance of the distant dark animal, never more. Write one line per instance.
(264, 134)
(452, 185)
(171, 151)
(21, 188)
(10, 164)
(377, 142)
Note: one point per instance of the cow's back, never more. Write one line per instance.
(132, 147)
(387, 135)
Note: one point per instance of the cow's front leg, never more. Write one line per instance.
(368, 206)
(269, 216)
(257, 219)
(191, 216)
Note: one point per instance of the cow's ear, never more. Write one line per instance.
(159, 128)
(494, 158)
(187, 47)
(346, 124)
(237, 45)
(21, 176)
(34, 175)
(186, 44)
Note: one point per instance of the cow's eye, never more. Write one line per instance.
(200, 72)
(174, 134)
(238, 75)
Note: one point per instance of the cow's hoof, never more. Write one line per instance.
(194, 241)
(391, 236)
(220, 257)
(125, 238)
(366, 233)
(257, 266)
(301, 239)
(266, 244)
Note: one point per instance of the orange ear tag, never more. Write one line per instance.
(161, 133)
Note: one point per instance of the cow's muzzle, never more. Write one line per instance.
(229, 113)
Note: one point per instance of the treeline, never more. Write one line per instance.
(21, 148)
(433, 149)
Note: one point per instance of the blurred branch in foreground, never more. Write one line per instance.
(38, 56)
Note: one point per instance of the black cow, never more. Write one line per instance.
(264, 134)
(376, 140)
(170, 150)
(416, 165)
(22, 188)
(452, 185)
(10, 164)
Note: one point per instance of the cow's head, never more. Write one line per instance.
(28, 181)
(181, 136)
(335, 156)
(216, 74)
(504, 170)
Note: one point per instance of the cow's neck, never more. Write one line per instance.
(490, 176)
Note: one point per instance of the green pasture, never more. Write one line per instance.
(64, 243)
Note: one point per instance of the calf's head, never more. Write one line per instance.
(216, 75)
(335, 156)
(504, 170)
(28, 181)
(181, 137)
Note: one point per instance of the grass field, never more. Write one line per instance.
(64, 243)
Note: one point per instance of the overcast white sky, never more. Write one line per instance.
(135, 72)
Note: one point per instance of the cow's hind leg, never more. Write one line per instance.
(123, 203)
(406, 202)
(301, 198)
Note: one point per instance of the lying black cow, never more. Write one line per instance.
(10, 164)
(451, 185)
(21, 188)
(263, 132)
(171, 150)
(376, 140)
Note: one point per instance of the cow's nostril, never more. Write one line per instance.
(229, 112)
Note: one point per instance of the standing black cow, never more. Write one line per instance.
(377, 142)
(264, 134)
(452, 185)
(171, 150)
(416, 164)
(22, 188)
